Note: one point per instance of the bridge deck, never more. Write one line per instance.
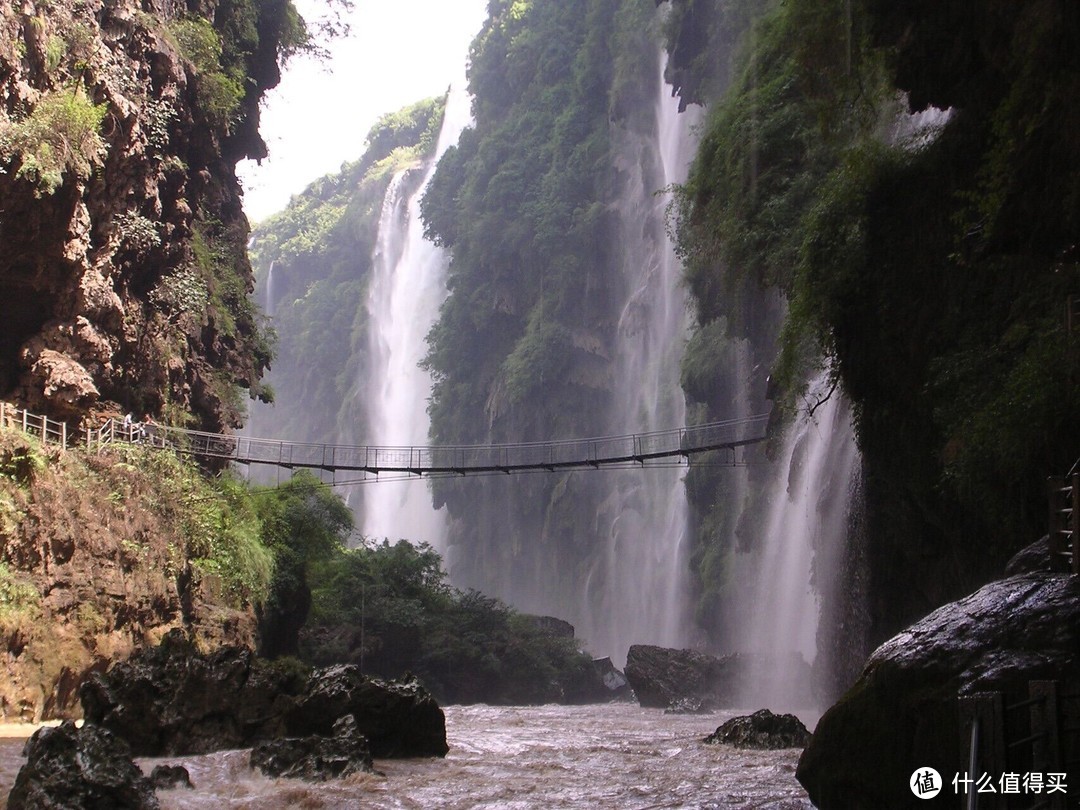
(638, 448)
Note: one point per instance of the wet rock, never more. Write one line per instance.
(1033, 559)
(168, 777)
(762, 730)
(902, 713)
(316, 758)
(552, 625)
(171, 699)
(88, 768)
(597, 682)
(399, 718)
(616, 685)
(662, 677)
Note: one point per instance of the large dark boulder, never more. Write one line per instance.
(168, 777)
(316, 758)
(171, 699)
(399, 718)
(1033, 559)
(903, 713)
(88, 768)
(762, 730)
(663, 677)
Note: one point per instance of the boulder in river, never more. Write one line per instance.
(762, 730)
(167, 777)
(902, 713)
(316, 758)
(171, 699)
(399, 718)
(88, 768)
(663, 677)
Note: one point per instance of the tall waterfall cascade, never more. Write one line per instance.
(640, 582)
(407, 287)
(805, 525)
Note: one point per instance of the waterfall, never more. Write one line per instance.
(407, 288)
(642, 576)
(804, 530)
(268, 307)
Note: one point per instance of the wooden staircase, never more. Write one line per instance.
(1064, 527)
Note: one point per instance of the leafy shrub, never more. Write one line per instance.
(219, 93)
(217, 519)
(181, 291)
(17, 596)
(61, 134)
(138, 232)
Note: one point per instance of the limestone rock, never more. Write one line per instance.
(762, 730)
(902, 713)
(167, 777)
(316, 758)
(95, 235)
(88, 768)
(399, 718)
(64, 383)
(171, 700)
(661, 677)
(1030, 560)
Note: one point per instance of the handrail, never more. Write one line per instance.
(636, 448)
(46, 429)
(564, 454)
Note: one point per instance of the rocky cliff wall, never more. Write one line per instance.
(99, 559)
(123, 279)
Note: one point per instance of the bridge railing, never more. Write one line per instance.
(639, 447)
(565, 454)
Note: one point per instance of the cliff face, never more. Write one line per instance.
(123, 279)
(102, 555)
(927, 254)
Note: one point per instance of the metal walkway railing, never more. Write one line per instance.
(606, 451)
(637, 448)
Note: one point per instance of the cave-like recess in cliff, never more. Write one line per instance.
(24, 309)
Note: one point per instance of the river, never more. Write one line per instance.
(605, 756)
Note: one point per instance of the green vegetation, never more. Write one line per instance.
(216, 518)
(929, 271)
(520, 200)
(303, 523)
(60, 135)
(388, 606)
(220, 91)
(19, 599)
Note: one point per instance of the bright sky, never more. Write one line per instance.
(399, 51)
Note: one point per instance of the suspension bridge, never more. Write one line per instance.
(635, 449)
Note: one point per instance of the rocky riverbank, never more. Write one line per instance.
(903, 712)
(173, 700)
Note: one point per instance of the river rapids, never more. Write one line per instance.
(604, 756)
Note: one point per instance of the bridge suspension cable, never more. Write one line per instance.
(569, 454)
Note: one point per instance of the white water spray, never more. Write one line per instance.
(642, 576)
(805, 527)
(407, 287)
